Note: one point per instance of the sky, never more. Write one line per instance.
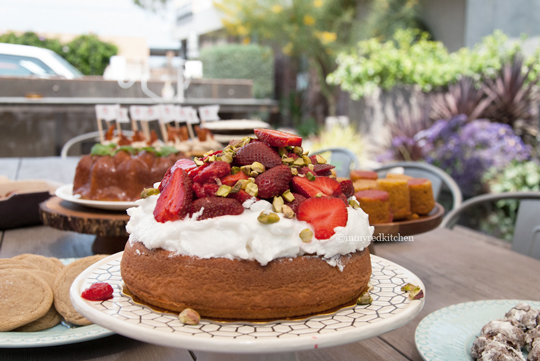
(101, 17)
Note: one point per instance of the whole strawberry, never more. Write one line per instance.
(347, 187)
(298, 199)
(258, 152)
(274, 181)
(216, 207)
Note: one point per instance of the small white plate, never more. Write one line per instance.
(448, 334)
(66, 193)
(390, 309)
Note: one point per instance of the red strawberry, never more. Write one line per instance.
(323, 170)
(231, 179)
(292, 155)
(211, 154)
(298, 199)
(276, 138)
(306, 170)
(344, 199)
(326, 186)
(313, 159)
(216, 207)
(240, 196)
(198, 188)
(324, 214)
(175, 199)
(347, 187)
(216, 169)
(274, 181)
(185, 164)
(258, 152)
(210, 189)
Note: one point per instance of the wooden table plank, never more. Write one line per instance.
(374, 349)
(455, 269)
(9, 166)
(49, 168)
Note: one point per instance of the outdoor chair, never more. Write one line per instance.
(437, 176)
(343, 159)
(83, 137)
(526, 238)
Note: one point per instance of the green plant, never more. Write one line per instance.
(410, 57)
(236, 61)
(89, 54)
(32, 39)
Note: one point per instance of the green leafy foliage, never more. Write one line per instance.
(89, 54)
(236, 61)
(101, 149)
(86, 52)
(410, 57)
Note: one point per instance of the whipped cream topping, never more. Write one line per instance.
(243, 236)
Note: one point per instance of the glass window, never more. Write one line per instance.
(15, 65)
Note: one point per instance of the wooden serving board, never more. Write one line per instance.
(412, 227)
(108, 226)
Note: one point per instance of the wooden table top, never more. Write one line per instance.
(455, 265)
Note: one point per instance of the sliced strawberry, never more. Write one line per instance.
(347, 188)
(241, 196)
(298, 199)
(276, 138)
(344, 199)
(175, 198)
(258, 152)
(185, 164)
(274, 181)
(306, 170)
(326, 186)
(323, 170)
(231, 179)
(313, 159)
(216, 207)
(324, 214)
(198, 188)
(216, 169)
(210, 189)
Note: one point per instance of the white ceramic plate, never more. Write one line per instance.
(391, 309)
(61, 334)
(448, 334)
(66, 193)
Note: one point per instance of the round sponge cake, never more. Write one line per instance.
(243, 289)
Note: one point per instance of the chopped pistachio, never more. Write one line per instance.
(282, 151)
(310, 176)
(243, 183)
(287, 160)
(311, 166)
(251, 180)
(408, 287)
(278, 203)
(301, 175)
(218, 181)
(233, 143)
(258, 167)
(318, 195)
(289, 147)
(147, 192)
(320, 159)
(332, 176)
(253, 174)
(268, 217)
(365, 299)
(306, 152)
(237, 187)
(198, 161)
(223, 191)
(354, 204)
(306, 159)
(294, 171)
(252, 189)
(416, 294)
(208, 153)
(189, 317)
(298, 151)
(306, 235)
(288, 196)
(212, 158)
(226, 157)
(246, 169)
(235, 170)
(287, 211)
(299, 161)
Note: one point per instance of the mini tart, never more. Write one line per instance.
(243, 289)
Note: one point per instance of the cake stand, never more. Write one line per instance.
(108, 226)
(277, 340)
